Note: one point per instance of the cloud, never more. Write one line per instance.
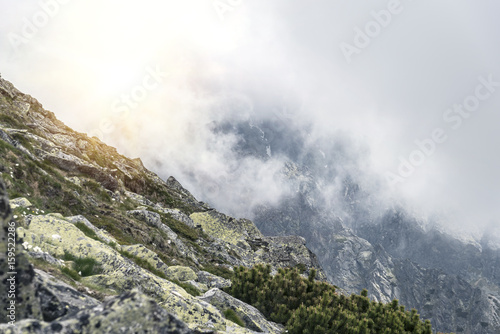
(265, 59)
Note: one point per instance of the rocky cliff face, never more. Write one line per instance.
(452, 282)
(105, 245)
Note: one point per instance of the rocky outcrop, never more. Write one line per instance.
(253, 319)
(244, 239)
(213, 281)
(58, 299)
(20, 202)
(57, 236)
(181, 273)
(131, 312)
(98, 224)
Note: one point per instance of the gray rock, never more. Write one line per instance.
(58, 299)
(149, 217)
(178, 215)
(139, 198)
(213, 281)
(20, 202)
(131, 312)
(148, 255)
(181, 273)
(253, 319)
(45, 257)
(69, 162)
(103, 235)
(154, 219)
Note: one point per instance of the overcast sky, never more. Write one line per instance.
(148, 76)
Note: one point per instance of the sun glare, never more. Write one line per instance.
(128, 37)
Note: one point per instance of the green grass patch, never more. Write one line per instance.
(70, 273)
(231, 315)
(87, 266)
(112, 226)
(186, 286)
(146, 265)
(220, 271)
(182, 229)
(87, 231)
(23, 141)
(11, 121)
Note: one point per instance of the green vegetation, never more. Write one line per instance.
(146, 265)
(220, 271)
(182, 229)
(231, 315)
(11, 121)
(70, 273)
(87, 230)
(83, 266)
(96, 188)
(305, 306)
(186, 286)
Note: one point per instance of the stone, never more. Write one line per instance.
(154, 219)
(181, 273)
(20, 202)
(58, 299)
(45, 257)
(178, 215)
(139, 198)
(213, 281)
(71, 163)
(226, 228)
(131, 312)
(101, 234)
(149, 217)
(198, 286)
(253, 319)
(120, 273)
(148, 255)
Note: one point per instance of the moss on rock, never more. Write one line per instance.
(181, 273)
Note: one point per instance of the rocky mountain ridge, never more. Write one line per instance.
(116, 248)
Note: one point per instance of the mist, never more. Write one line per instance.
(160, 79)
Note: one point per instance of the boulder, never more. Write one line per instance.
(181, 273)
(213, 281)
(154, 219)
(148, 255)
(253, 319)
(58, 299)
(198, 286)
(20, 202)
(149, 217)
(226, 228)
(55, 235)
(45, 257)
(139, 198)
(131, 312)
(178, 215)
(101, 234)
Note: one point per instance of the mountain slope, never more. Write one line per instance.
(117, 249)
(104, 224)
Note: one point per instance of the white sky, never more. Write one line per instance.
(81, 59)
